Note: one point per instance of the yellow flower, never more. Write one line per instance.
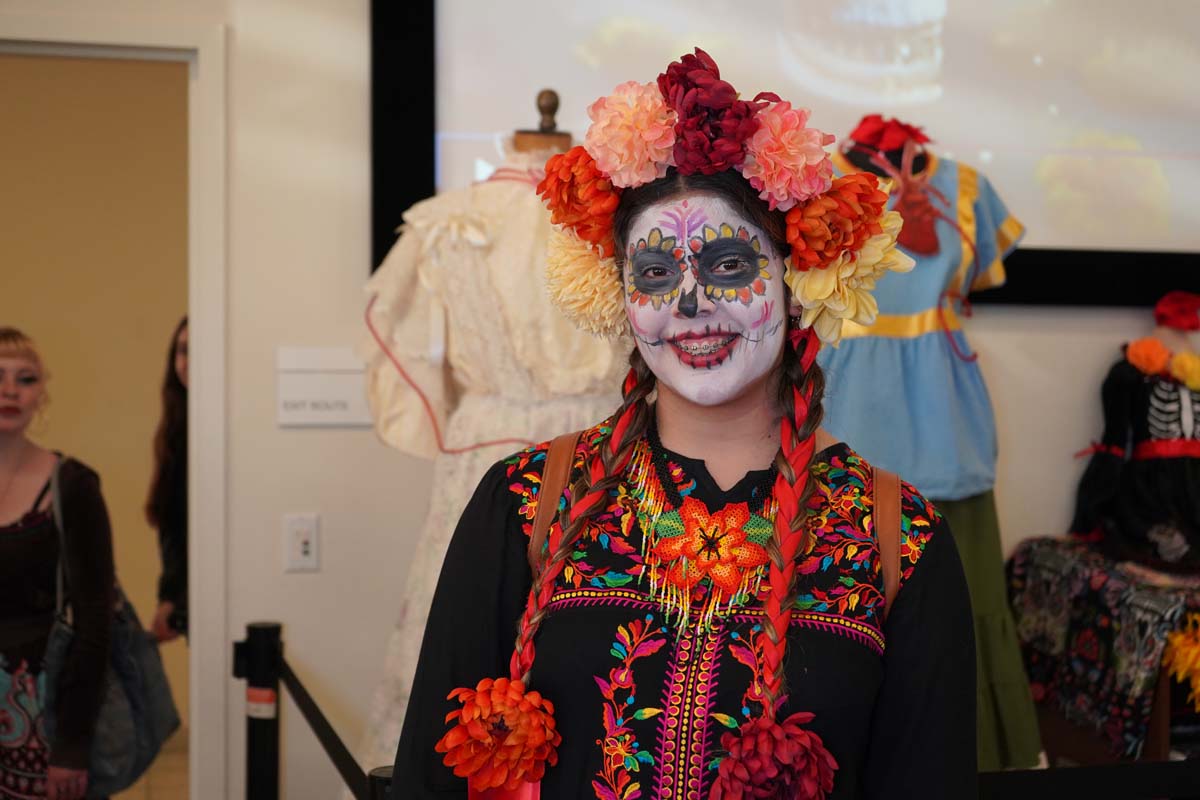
(842, 291)
(585, 286)
(1185, 368)
(1181, 657)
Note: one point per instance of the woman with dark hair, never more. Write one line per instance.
(32, 763)
(166, 508)
(728, 603)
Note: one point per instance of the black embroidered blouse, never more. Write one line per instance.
(642, 705)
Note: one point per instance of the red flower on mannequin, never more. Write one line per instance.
(886, 134)
(1178, 310)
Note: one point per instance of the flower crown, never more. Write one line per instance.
(842, 238)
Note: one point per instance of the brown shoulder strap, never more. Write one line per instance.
(887, 532)
(554, 480)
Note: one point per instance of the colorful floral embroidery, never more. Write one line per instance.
(622, 753)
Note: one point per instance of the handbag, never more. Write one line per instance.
(137, 713)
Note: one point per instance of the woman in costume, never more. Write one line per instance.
(709, 616)
(30, 765)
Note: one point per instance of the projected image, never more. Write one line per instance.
(1074, 109)
(868, 52)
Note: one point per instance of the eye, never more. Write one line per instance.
(729, 265)
(656, 271)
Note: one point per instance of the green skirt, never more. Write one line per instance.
(1008, 730)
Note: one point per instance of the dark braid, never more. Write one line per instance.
(589, 494)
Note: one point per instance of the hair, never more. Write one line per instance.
(15, 344)
(800, 386)
(170, 440)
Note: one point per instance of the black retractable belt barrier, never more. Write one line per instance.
(259, 659)
(1179, 780)
(380, 780)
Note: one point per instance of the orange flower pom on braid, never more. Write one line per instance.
(504, 736)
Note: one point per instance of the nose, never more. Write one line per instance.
(693, 302)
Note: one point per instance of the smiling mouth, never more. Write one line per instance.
(704, 350)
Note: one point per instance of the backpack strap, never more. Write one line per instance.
(887, 531)
(554, 481)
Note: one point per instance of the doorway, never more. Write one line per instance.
(94, 248)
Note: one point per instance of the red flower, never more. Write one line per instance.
(841, 219)
(886, 134)
(503, 736)
(769, 759)
(1178, 310)
(713, 124)
(580, 197)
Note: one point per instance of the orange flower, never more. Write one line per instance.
(580, 197)
(503, 736)
(839, 220)
(1149, 355)
(711, 546)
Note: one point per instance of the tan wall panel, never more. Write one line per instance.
(93, 259)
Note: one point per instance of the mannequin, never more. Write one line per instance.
(1140, 496)
(915, 365)
(459, 305)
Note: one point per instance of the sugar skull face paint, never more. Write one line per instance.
(704, 294)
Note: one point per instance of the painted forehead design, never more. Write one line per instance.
(727, 261)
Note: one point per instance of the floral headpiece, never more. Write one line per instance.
(1178, 310)
(842, 238)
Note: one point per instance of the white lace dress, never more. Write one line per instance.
(461, 303)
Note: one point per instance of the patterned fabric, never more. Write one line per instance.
(670, 731)
(917, 348)
(1093, 631)
(24, 752)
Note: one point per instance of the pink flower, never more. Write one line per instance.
(785, 160)
(632, 134)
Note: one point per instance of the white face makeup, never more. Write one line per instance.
(704, 294)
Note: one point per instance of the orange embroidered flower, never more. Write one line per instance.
(580, 197)
(712, 545)
(1149, 355)
(503, 736)
(839, 220)
(1181, 656)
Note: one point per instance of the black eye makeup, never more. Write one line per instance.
(730, 263)
(656, 268)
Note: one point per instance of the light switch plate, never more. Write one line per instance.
(301, 542)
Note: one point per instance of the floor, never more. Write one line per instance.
(167, 779)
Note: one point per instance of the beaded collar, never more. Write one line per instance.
(693, 557)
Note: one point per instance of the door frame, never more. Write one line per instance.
(201, 45)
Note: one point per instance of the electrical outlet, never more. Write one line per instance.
(301, 542)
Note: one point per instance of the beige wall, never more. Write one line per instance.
(93, 249)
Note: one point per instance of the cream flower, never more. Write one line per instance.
(585, 286)
(842, 291)
(632, 134)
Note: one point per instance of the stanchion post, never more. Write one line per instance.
(380, 781)
(258, 659)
